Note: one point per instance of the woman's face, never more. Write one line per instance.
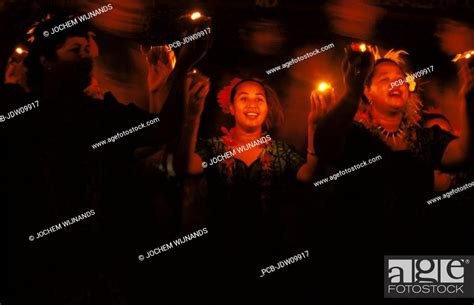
(384, 97)
(249, 106)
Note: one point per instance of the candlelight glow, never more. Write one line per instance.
(19, 50)
(362, 47)
(465, 55)
(195, 15)
(323, 87)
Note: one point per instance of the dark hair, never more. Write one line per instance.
(368, 81)
(275, 115)
(46, 45)
(369, 78)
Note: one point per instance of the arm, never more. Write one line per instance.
(160, 64)
(329, 137)
(172, 89)
(306, 172)
(460, 149)
(186, 160)
(318, 109)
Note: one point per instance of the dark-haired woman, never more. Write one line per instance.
(250, 174)
(376, 117)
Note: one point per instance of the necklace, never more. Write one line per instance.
(397, 134)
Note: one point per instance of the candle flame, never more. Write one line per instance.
(19, 50)
(465, 55)
(195, 15)
(323, 86)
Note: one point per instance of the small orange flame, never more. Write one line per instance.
(323, 86)
(196, 15)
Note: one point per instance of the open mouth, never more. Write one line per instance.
(251, 115)
(395, 93)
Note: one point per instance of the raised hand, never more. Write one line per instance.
(160, 61)
(356, 67)
(197, 88)
(321, 103)
(466, 76)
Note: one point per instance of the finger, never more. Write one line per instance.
(188, 84)
(197, 87)
(312, 102)
(322, 103)
(205, 91)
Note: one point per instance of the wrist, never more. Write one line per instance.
(311, 152)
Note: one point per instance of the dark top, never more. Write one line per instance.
(248, 204)
(53, 173)
(400, 183)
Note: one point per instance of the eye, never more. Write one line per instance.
(76, 50)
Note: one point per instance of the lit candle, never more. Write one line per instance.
(465, 55)
(195, 15)
(359, 47)
(323, 86)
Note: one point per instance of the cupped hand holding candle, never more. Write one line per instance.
(359, 47)
(322, 100)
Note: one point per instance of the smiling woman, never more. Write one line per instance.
(249, 190)
(374, 118)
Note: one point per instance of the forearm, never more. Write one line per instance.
(185, 160)
(171, 114)
(157, 98)
(306, 172)
(329, 137)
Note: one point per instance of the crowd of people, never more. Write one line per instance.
(259, 204)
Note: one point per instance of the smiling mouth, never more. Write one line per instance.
(251, 115)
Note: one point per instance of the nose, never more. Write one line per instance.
(86, 51)
(252, 103)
